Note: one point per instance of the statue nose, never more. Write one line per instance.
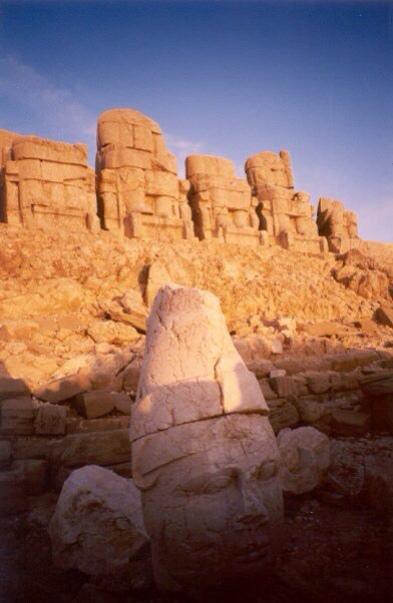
(254, 511)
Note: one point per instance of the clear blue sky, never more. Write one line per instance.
(222, 77)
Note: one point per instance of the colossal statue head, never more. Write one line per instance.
(204, 454)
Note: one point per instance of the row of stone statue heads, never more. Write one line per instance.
(135, 191)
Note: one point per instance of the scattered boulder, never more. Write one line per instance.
(305, 458)
(97, 526)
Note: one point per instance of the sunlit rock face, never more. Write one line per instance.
(204, 454)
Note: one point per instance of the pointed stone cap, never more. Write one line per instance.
(191, 370)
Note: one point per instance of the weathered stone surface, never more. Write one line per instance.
(285, 387)
(97, 526)
(338, 225)
(199, 420)
(60, 390)
(94, 404)
(139, 193)
(285, 216)
(5, 454)
(318, 383)
(50, 420)
(100, 448)
(350, 423)
(378, 484)
(283, 414)
(12, 388)
(109, 423)
(48, 183)
(17, 416)
(305, 458)
(12, 492)
(384, 315)
(34, 473)
(222, 206)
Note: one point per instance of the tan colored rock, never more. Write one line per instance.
(97, 527)
(350, 423)
(50, 420)
(34, 474)
(204, 455)
(338, 225)
(59, 390)
(12, 388)
(95, 404)
(48, 184)
(283, 414)
(305, 456)
(17, 416)
(221, 204)
(384, 315)
(12, 492)
(98, 448)
(139, 194)
(5, 454)
(285, 216)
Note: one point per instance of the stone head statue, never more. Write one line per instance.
(204, 455)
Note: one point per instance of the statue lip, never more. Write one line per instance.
(254, 554)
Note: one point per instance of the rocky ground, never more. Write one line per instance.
(317, 332)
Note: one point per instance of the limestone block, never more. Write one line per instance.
(32, 147)
(97, 527)
(95, 404)
(17, 416)
(12, 492)
(283, 414)
(50, 420)
(161, 183)
(59, 390)
(29, 169)
(35, 475)
(131, 375)
(125, 157)
(100, 448)
(350, 423)
(285, 387)
(5, 454)
(378, 484)
(305, 456)
(318, 383)
(58, 172)
(12, 388)
(209, 164)
(143, 138)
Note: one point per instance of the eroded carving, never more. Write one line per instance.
(139, 193)
(222, 205)
(338, 225)
(204, 454)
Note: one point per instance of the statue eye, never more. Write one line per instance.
(208, 483)
(266, 471)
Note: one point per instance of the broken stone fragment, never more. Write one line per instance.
(97, 527)
(60, 390)
(305, 456)
(99, 403)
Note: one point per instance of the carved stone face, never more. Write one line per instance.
(212, 499)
